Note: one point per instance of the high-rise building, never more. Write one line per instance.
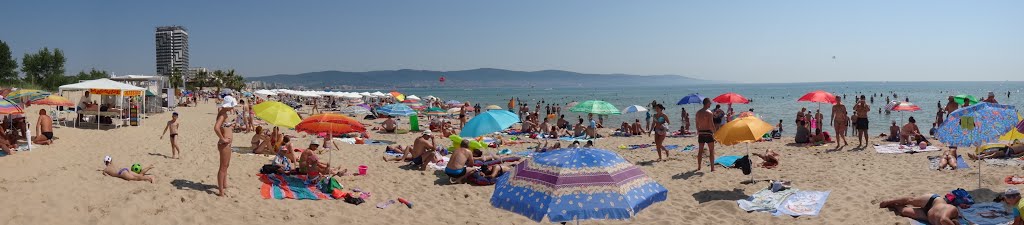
(171, 50)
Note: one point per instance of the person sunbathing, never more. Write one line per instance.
(1009, 151)
(624, 129)
(125, 173)
(590, 144)
(948, 158)
(579, 129)
(456, 168)
(636, 129)
(936, 209)
(389, 125)
(909, 130)
(260, 143)
(771, 159)
(894, 133)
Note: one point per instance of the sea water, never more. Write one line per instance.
(771, 102)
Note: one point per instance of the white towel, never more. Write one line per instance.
(895, 148)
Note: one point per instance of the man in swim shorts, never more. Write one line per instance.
(456, 168)
(173, 127)
(45, 127)
(860, 113)
(706, 127)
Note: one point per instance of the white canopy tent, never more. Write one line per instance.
(105, 87)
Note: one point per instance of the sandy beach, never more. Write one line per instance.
(63, 184)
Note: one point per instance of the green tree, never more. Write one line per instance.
(217, 79)
(234, 81)
(91, 75)
(200, 80)
(45, 68)
(8, 66)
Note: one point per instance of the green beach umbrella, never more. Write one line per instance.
(959, 99)
(596, 107)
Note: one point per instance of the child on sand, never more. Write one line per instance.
(172, 125)
(125, 173)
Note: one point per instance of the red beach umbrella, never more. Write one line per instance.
(730, 98)
(905, 106)
(818, 96)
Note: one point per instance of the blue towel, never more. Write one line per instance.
(728, 160)
(671, 147)
(960, 163)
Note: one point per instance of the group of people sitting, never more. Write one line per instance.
(462, 159)
(287, 156)
(804, 135)
(909, 134)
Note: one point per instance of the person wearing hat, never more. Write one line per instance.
(222, 128)
(1011, 197)
(310, 164)
(991, 98)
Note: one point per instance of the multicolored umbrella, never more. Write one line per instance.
(54, 100)
(488, 122)
(818, 96)
(453, 103)
(906, 107)
(396, 110)
(977, 125)
(596, 107)
(691, 99)
(959, 99)
(731, 98)
(277, 114)
(436, 111)
(26, 95)
(398, 96)
(355, 110)
(1020, 126)
(576, 184)
(9, 107)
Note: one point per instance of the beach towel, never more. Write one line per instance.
(392, 153)
(22, 147)
(933, 163)
(765, 200)
(1014, 180)
(688, 148)
(895, 148)
(803, 203)
(527, 153)
(581, 140)
(276, 186)
(439, 165)
(727, 160)
(986, 213)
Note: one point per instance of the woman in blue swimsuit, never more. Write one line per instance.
(660, 128)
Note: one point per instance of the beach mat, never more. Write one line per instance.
(895, 148)
(276, 186)
(727, 160)
(933, 163)
(765, 200)
(985, 213)
(803, 203)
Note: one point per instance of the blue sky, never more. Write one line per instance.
(744, 41)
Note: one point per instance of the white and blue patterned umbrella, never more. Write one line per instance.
(396, 110)
(576, 184)
(634, 109)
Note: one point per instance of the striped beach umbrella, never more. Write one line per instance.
(576, 184)
(596, 107)
(26, 95)
(906, 107)
(54, 100)
(9, 107)
(396, 110)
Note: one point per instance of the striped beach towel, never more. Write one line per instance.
(276, 186)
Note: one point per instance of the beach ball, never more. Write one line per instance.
(137, 168)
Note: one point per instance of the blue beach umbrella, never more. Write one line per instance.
(576, 184)
(977, 125)
(488, 122)
(396, 110)
(691, 99)
(634, 109)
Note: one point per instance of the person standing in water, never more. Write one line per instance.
(173, 127)
(839, 121)
(223, 130)
(706, 128)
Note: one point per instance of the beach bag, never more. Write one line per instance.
(270, 169)
(354, 200)
(329, 185)
(744, 164)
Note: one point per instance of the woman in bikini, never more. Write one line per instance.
(125, 173)
(840, 120)
(224, 135)
(660, 129)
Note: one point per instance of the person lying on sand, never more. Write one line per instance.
(936, 209)
(498, 169)
(1014, 150)
(771, 159)
(456, 169)
(545, 147)
(948, 158)
(125, 173)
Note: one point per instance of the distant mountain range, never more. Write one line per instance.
(484, 77)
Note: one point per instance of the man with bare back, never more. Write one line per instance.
(705, 133)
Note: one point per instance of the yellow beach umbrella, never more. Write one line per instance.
(1013, 134)
(277, 114)
(744, 129)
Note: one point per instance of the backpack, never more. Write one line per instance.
(270, 169)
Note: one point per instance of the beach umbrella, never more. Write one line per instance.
(977, 125)
(596, 107)
(488, 122)
(691, 99)
(277, 114)
(1020, 126)
(355, 110)
(455, 110)
(904, 107)
(367, 107)
(329, 123)
(398, 96)
(493, 107)
(572, 104)
(818, 96)
(9, 107)
(396, 110)
(634, 109)
(265, 92)
(54, 100)
(743, 130)
(959, 99)
(1014, 134)
(576, 184)
(730, 98)
(22, 95)
(453, 103)
(412, 97)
